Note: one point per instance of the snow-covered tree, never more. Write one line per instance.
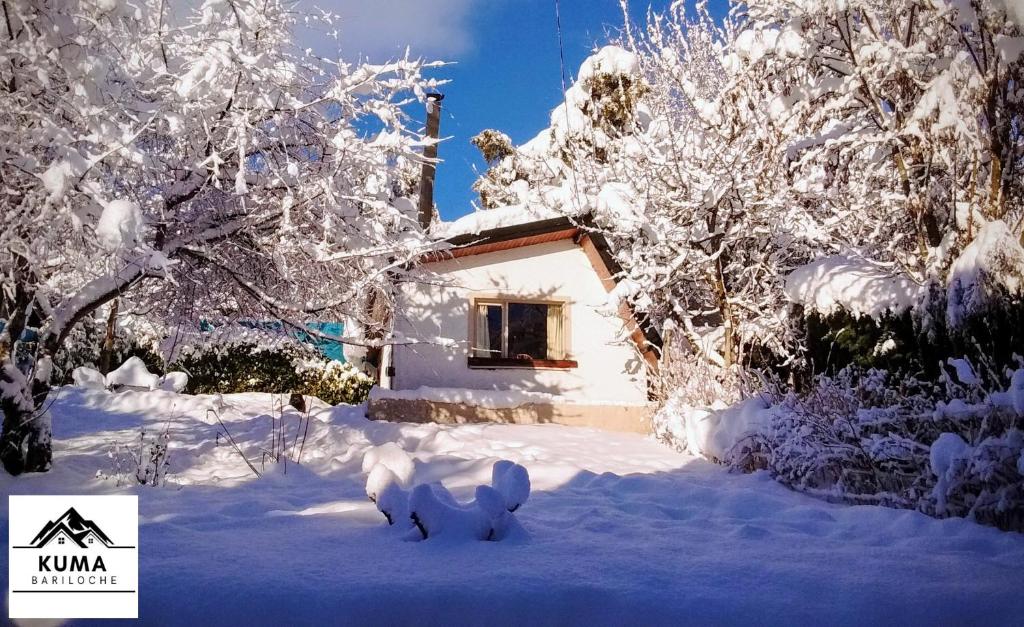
(901, 118)
(719, 156)
(672, 153)
(187, 163)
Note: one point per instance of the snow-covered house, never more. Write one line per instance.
(517, 325)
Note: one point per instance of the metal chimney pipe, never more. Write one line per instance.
(426, 206)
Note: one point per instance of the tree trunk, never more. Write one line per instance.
(25, 441)
(107, 352)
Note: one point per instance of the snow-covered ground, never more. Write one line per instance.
(621, 530)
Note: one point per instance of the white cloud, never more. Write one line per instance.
(381, 29)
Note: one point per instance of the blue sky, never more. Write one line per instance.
(505, 72)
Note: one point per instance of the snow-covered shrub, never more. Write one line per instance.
(840, 339)
(174, 381)
(143, 462)
(512, 482)
(85, 344)
(947, 449)
(394, 458)
(694, 391)
(85, 377)
(984, 482)
(435, 513)
(285, 367)
(334, 382)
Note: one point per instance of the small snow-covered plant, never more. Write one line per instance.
(984, 481)
(143, 462)
(390, 471)
(289, 429)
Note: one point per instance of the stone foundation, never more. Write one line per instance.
(630, 418)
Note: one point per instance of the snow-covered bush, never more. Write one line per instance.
(334, 382)
(283, 367)
(174, 381)
(946, 449)
(85, 377)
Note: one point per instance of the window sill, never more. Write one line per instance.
(527, 364)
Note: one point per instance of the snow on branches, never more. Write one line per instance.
(193, 163)
(719, 156)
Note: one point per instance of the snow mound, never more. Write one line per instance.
(120, 225)
(991, 264)
(944, 450)
(133, 373)
(712, 431)
(174, 381)
(437, 515)
(85, 377)
(385, 491)
(435, 512)
(512, 482)
(858, 286)
(392, 457)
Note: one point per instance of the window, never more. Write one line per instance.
(60, 540)
(519, 334)
(90, 540)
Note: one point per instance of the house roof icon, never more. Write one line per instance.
(72, 526)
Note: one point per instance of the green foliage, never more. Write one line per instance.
(918, 344)
(285, 369)
(841, 339)
(336, 383)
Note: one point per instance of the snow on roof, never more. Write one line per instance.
(856, 285)
(489, 219)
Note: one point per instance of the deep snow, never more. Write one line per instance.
(621, 530)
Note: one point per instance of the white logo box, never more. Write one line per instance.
(73, 556)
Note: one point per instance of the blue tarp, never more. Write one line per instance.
(328, 348)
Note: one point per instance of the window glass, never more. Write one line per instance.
(527, 331)
(487, 334)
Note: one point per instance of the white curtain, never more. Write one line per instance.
(482, 340)
(556, 344)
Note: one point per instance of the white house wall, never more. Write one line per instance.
(609, 370)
